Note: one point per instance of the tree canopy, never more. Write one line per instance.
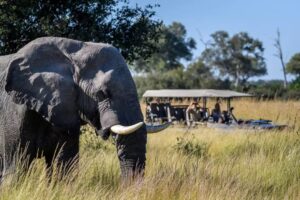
(238, 57)
(131, 29)
(173, 47)
(293, 66)
(157, 52)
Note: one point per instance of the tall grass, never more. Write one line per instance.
(281, 112)
(196, 164)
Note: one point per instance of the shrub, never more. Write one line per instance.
(191, 147)
(90, 141)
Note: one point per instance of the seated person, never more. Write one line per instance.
(204, 114)
(161, 110)
(226, 117)
(193, 112)
(151, 112)
(153, 108)
(179, 114)
(216, 112)
(158, 109)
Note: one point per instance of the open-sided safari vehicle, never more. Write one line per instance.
(189, 107)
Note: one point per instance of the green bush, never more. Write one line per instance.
(295, 84)
(90, 141)
(191, 147)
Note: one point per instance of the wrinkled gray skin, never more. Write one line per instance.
(52, 86)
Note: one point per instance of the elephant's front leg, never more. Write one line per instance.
(39, 138)
(63, 151)
(69, 153)
(32, 128)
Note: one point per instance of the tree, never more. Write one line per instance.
(173, 47)
(172, 79)
(198, 75)
(238, 57)
(279, 55)
(131, 29)
(293, 66)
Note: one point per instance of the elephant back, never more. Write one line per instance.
(4, 61)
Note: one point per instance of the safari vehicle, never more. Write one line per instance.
(182, 106)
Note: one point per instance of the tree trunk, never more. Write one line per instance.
(237, 76)
(280, 56)
(284, 73)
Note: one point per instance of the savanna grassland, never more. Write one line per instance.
(197, 164)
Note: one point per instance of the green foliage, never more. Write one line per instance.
(295, 85)
(91, 142)
(195, 76)
(132, 29)
(274, 89)
(171, 79)
(293, 66)
(238, 57)
(199, 75)
(267, 89)
(173, 47)
(191, 147)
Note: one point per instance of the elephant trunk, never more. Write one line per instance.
(132, 152)
(131, 148)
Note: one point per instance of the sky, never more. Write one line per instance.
(260, 18)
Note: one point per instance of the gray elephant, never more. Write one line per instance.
(52, 86)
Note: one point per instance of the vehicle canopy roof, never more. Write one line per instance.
(193, 93)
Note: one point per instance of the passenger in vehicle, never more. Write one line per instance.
(179, 114)
(161, 109)
(216, 112)
(193, 112)
(204, 113)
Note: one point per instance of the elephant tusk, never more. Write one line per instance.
(125, 130)
(157, 128)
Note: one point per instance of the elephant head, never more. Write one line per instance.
(68, 81)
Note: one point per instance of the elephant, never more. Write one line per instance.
(52, 86)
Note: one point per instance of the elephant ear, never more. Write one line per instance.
(40, 76)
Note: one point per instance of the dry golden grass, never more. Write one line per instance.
(199, 164)
(282, 112)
